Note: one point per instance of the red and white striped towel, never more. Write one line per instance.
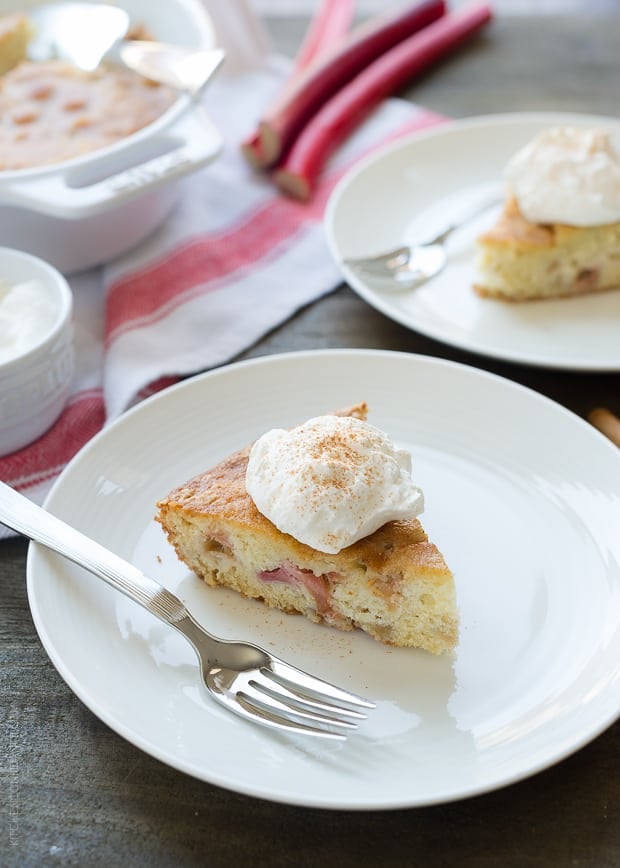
(233, 261)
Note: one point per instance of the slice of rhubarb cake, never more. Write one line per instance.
(320, 520)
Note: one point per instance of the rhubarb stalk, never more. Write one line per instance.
(606, 422)
(298, 172)
(327, 28)
(331, 71)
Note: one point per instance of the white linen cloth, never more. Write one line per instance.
(235, 259)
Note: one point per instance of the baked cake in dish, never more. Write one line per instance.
(14, 37)
(559, 232)
(51, 111)
(393, 583)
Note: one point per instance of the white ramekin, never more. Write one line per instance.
(35, 385)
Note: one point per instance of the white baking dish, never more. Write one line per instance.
(88, 210)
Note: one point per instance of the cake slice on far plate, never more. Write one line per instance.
(520, 261)
(559, 232)
(391, 582)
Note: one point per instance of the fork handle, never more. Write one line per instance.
(34, 522)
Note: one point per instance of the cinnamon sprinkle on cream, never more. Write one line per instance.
(331, 481)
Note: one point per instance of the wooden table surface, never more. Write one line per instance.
(72, 792)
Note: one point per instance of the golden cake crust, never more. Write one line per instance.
(512, 229)
(220, 493)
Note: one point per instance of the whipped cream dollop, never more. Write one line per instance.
(27, 315)
(331, 481)
(567, 175)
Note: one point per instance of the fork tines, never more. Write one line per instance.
(291, 699)
(382, 261)
(299, 681)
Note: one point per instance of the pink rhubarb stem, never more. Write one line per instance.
(328, 26)
(330, 23)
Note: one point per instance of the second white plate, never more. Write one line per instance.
(422, 182)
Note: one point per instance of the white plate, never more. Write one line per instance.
(522, 497)
(421, 183)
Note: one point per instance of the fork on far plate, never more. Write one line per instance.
(413, 264)
(243, 677)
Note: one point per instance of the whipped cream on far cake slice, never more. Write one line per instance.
(567, 175)
(558, 234)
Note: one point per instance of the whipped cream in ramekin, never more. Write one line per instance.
(567, 175)
(28, 313)
(331, 481)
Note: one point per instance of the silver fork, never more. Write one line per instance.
(243, 677)
(413, 264)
